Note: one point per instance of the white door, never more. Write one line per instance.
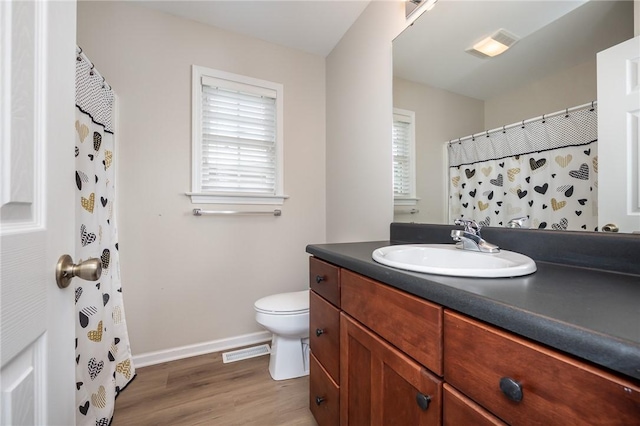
(619, 136)
(37, 91)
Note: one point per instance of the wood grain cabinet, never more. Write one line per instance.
(324, 342)
(458, 410)
(324, 279)
(380, 356)
(382, 386)
(524, 383)
(412, 324)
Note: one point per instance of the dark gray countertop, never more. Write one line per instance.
(591, 314)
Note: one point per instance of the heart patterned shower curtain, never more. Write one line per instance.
(545, 170)
(103, 355)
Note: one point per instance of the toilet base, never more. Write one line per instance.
(289, 358)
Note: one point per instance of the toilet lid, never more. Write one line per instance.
(284, 303)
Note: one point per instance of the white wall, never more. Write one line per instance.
(359, 120)
(440, 116)
(567, 88)
(189, 280)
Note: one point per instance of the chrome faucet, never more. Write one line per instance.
(470, 239)
(517, 222)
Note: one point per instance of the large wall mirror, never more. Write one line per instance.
(453, 94)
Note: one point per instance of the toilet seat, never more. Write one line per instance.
(286, 316)
(293, 303)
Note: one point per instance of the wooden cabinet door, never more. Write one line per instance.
(382, 386)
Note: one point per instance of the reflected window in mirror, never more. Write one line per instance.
(403, 145)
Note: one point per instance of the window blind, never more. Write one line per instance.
(401, 145)
(238, 139)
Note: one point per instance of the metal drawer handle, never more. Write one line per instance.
(423, 401)
(319, 400)
(319, 332)
(511, 389)
(319, 278)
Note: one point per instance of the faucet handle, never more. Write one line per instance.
(517, 222)
(470, 225)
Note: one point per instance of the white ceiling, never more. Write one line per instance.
(554, 35)
(313, 26)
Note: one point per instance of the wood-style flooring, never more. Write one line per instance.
(203, 391)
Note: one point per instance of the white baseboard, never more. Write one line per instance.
(157, 357)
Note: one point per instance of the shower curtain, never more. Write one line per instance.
(103, 356)
(545, 170)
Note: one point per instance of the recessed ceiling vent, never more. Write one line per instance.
(494, 45)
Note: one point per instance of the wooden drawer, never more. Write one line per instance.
(459, 410)
(411, 324)
(324, 395)
(324, 279)
(324, 334)
(556, 389)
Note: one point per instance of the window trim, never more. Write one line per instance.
(410, 117)
(196, 194)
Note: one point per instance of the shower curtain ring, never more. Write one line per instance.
(504, 130)
(487, 133)
(566, 113)
(523, 124)
(543, 119)
(592, 108)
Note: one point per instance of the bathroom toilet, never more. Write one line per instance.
(286, 316)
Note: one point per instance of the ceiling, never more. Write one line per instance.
(554, 35)
(311, 26)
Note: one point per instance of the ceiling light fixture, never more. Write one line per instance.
(413, 5)
(494, 45)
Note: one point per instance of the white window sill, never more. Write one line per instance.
(208, 198)
(405, 201)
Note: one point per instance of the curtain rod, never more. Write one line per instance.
(82, 57)
(565, 111)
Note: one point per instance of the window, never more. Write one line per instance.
(404, 192)
(237, 139)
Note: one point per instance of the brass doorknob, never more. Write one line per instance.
(89, 270)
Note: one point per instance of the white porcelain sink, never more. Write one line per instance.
(447, 259)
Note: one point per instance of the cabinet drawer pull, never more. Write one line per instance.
(319, 400)
(319, 332)
(319, 278)
(511, 389)
(423, 401)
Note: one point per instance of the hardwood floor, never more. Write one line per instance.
(203, 391)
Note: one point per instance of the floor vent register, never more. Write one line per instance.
(246, 353)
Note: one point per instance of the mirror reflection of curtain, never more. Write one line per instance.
(103, 355)
(545, 170)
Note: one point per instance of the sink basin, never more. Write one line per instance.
(447, 259)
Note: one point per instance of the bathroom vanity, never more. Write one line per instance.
(561, 346)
